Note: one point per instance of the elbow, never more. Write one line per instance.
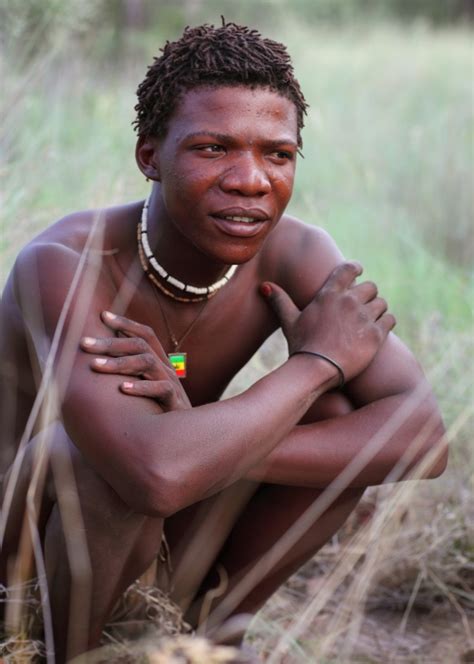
(427, 444)
(440, 452)
(165, 502)
(153, 502)
(440, 465)
(157, 495)
(437, 452)
(432, 459)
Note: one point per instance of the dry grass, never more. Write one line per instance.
(401, 602)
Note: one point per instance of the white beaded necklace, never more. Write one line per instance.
(207, 291)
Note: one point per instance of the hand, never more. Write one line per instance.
(137, 353)
(344, 321)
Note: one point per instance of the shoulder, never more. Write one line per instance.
(53, 253)
(40, 264)
(60, 270)
(78, 240)
(299, 257)
(43, 267)
(104, 226)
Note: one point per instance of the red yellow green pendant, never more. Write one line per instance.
(178, 362)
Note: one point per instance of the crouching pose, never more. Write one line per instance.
(126, 324)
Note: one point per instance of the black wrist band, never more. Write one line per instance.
(342, 378)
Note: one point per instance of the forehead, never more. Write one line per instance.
(253, 112)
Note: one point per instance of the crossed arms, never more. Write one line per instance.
(160, 461)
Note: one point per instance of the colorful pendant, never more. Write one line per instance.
(178, 362)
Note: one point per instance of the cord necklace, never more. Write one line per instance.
(178, 358)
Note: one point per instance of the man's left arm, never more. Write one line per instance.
(395, 423)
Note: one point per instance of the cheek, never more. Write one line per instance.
(283, 187)
(179, 187)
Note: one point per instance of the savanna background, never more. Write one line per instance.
(387, 170)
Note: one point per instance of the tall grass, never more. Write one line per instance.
(388, 172)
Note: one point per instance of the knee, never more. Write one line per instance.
(72, 480)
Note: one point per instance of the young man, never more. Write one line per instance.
(100, 295)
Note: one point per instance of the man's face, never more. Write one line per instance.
(229, 153)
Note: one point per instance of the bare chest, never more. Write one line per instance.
(218, 336)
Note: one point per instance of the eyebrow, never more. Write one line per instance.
(227, 138)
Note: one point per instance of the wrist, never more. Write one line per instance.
(325, 358)
(323, 374)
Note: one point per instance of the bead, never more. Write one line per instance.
(144, 248)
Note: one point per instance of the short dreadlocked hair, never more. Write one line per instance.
(209, 56)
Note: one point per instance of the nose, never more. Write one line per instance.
(246, 177)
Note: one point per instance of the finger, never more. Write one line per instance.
(386, 323)
(114, 346)
(162, 390)
(283, 306)
(343, 275)
(132, 328)
(377, 307)
(147, 365)
(366, 291)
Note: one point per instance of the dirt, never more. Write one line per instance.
(427, 639)
(437, 637)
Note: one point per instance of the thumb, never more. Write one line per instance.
(283, 306)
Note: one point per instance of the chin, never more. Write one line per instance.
(235, 255)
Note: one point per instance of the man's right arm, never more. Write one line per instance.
(161, 462)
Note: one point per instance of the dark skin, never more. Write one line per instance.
(162, 449)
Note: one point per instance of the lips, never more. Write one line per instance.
(252, 214)
(240, 222)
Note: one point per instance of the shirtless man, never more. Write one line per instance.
(219, 117)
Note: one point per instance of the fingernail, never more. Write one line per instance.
(109, 315)
(127, 385)
(100, 361)
(266, 290)
(88, 341)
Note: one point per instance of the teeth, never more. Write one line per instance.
(246, 220)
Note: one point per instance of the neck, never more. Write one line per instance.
(174, 252)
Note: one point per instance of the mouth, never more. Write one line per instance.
(245, 220)
(240, 222)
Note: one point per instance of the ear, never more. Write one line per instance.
(146, 155)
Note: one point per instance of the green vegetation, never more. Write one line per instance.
(387, 166)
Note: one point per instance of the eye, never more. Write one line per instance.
(283, 155)
(212, 148)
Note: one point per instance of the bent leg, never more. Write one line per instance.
(250, 555)
(94, 547)
(259, 531)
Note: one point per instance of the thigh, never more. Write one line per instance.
(87, 507)
(26, 502)
(91, 511)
